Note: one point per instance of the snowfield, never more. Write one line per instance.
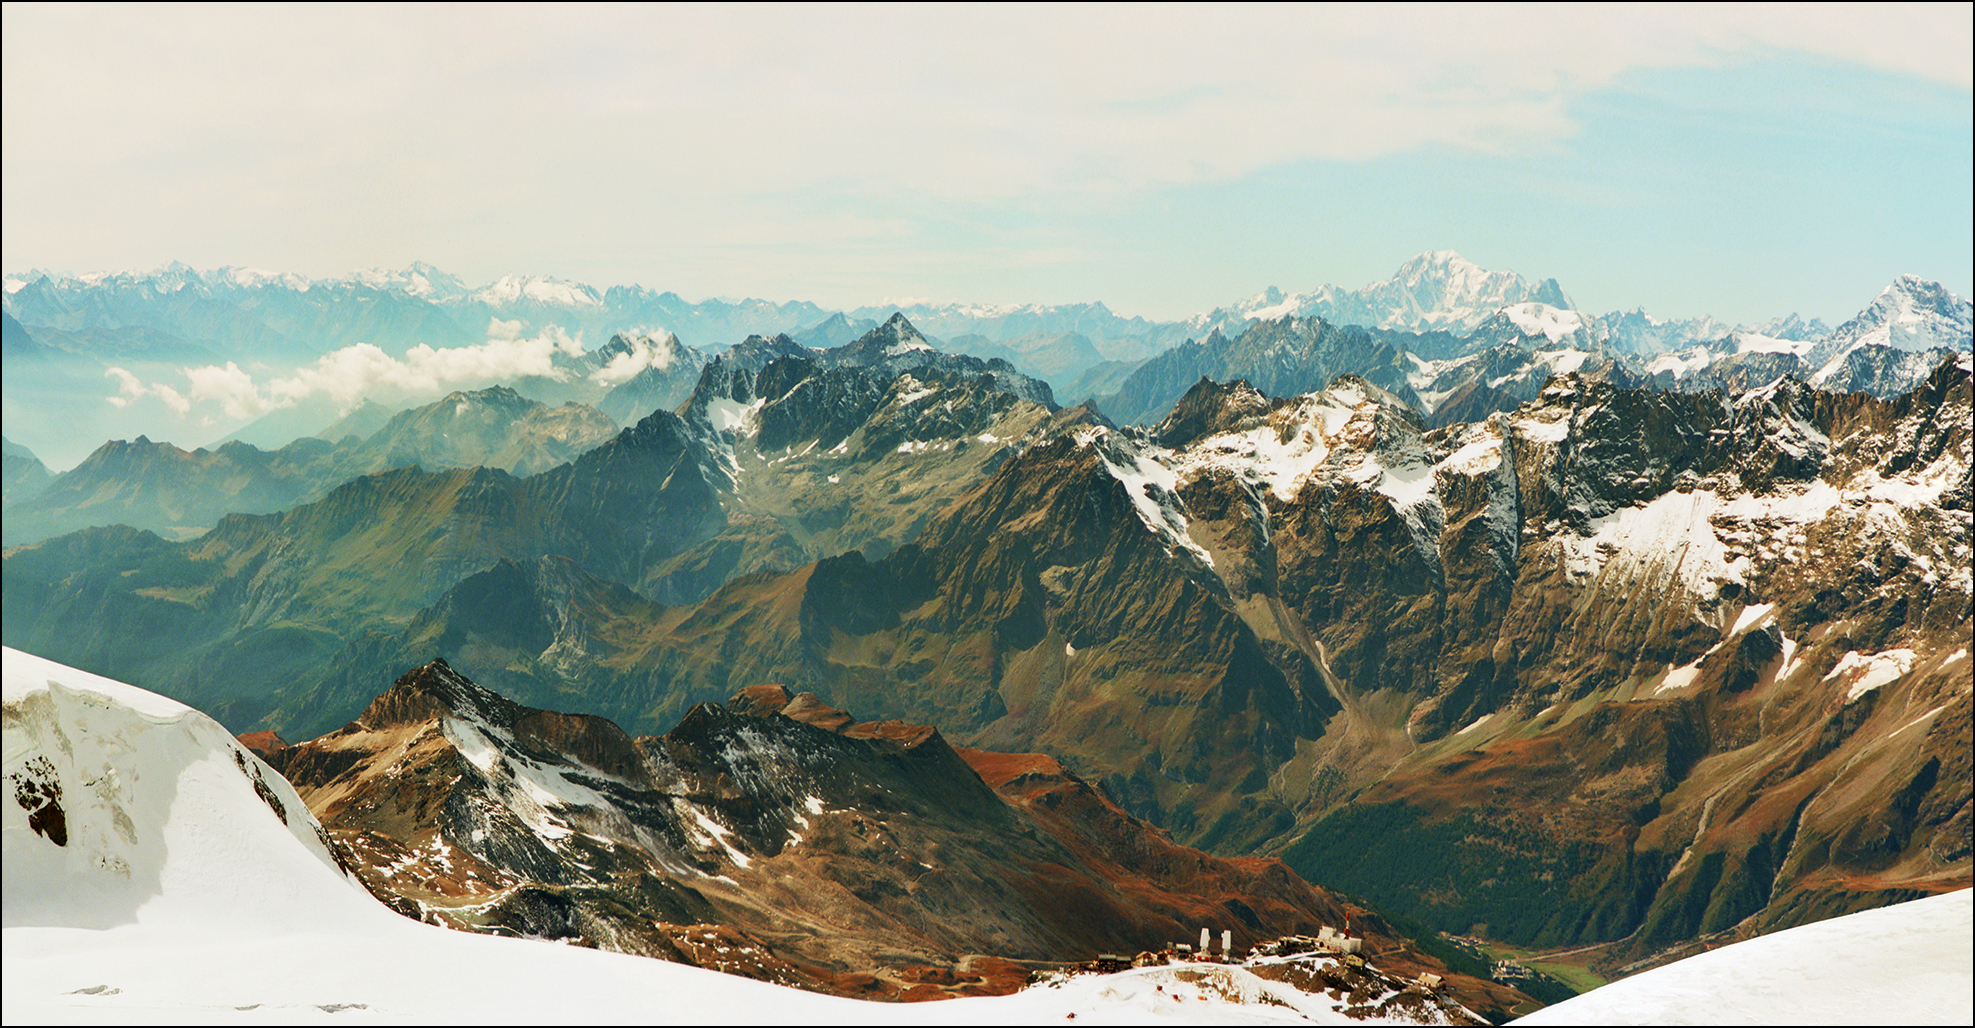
(192, 887)
(1909, 964)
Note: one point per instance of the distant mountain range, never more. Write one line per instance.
(158, 330)
(1507, 355)
(178, 493)
(230, 311)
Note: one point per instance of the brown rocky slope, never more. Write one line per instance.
(813, 849)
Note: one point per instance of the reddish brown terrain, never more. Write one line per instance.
(782, 839)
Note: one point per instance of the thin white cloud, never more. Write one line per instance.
(230, 387)
(353, 373)
(648, 350)
(130, 389)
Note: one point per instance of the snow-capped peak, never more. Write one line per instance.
(1916, 314)
(1910, 314)
(1563, 327)
(554, 292)
(1435, 291)
(905, 338)
(1446, 266)
(419, 279)
(255, 278)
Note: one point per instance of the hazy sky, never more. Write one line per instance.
(1737, 161)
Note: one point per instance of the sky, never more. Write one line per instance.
(1736, 161)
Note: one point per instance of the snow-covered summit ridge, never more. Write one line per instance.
(1910, 314)
(418, 279)
(1558, 325)
(555, 292)
(112, 783)
(1281, 446)
(1437, 291)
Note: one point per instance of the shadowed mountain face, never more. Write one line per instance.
(158, 487)
(1281, 358)
(23, 475)
(847, 856)
(783, 455)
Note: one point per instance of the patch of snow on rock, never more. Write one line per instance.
(1682, 363)
(1153, 489)
(1670, 534)
(733, 416)
(1539, 319)
(1866, 672)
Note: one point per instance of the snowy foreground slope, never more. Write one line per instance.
(1913, 963)
(190, 885)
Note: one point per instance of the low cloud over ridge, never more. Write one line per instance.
(364, 371)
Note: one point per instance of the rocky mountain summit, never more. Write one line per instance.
(662, 373)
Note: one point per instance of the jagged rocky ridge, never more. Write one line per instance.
(1503, 359)
(1653, 664)
(776, 837)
